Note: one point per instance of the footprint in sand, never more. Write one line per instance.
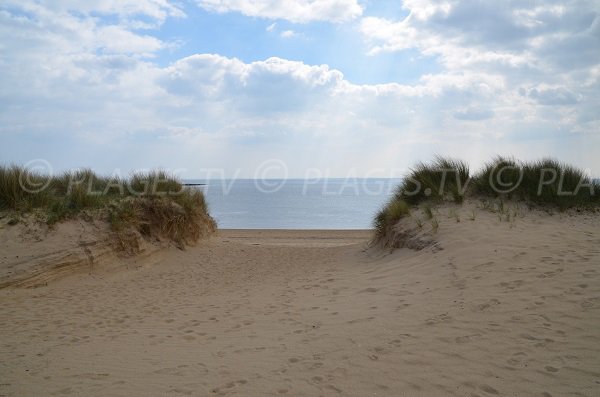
(489, 389)
(512, 284)
(440, 318)
(487, 305)
(586, 304)
(370, 289)
(466, 338)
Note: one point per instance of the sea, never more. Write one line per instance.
(345, 203)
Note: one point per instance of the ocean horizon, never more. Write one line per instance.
(331, 203)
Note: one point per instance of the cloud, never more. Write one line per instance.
(473, 114)
(551, 95)
(544, 50)
(297, 11)
(258, 89)
(86, 90)
(157, 10)
(114, 39)
(472, 33)
(287, 34)
(71, 27)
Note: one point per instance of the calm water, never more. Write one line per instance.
(296, 204)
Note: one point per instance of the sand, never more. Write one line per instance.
(494, 308)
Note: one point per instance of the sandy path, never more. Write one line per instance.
(309, 313)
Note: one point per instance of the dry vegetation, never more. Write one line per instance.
(153, 204)
(547, 183)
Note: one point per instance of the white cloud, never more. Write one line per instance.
(544, 50)
(80, 91)
(68, 27)
(297, 11)
(287, 34)
(473, 33)
(257, 90)
(155, 9)
(115, 39)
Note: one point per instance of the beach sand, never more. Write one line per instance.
(494, 308)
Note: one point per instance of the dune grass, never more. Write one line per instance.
(155, 203)
(542, 182)
(548, 183)
(388, 216)
(21, 189)
(182, 218)
(442, 179)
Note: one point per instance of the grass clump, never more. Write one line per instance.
(473, 216)
(56, 212)
(183, 220)
(154, 183)
(427, 210)
(419, 222)
(547, 182)
(435, 225)
(388, 216)
(501, 174)
(22, 189)
(443, 179)
(153, 203)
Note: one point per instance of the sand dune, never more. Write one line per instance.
(33, 255)
(495, 308)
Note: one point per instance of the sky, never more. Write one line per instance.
(296, 88)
